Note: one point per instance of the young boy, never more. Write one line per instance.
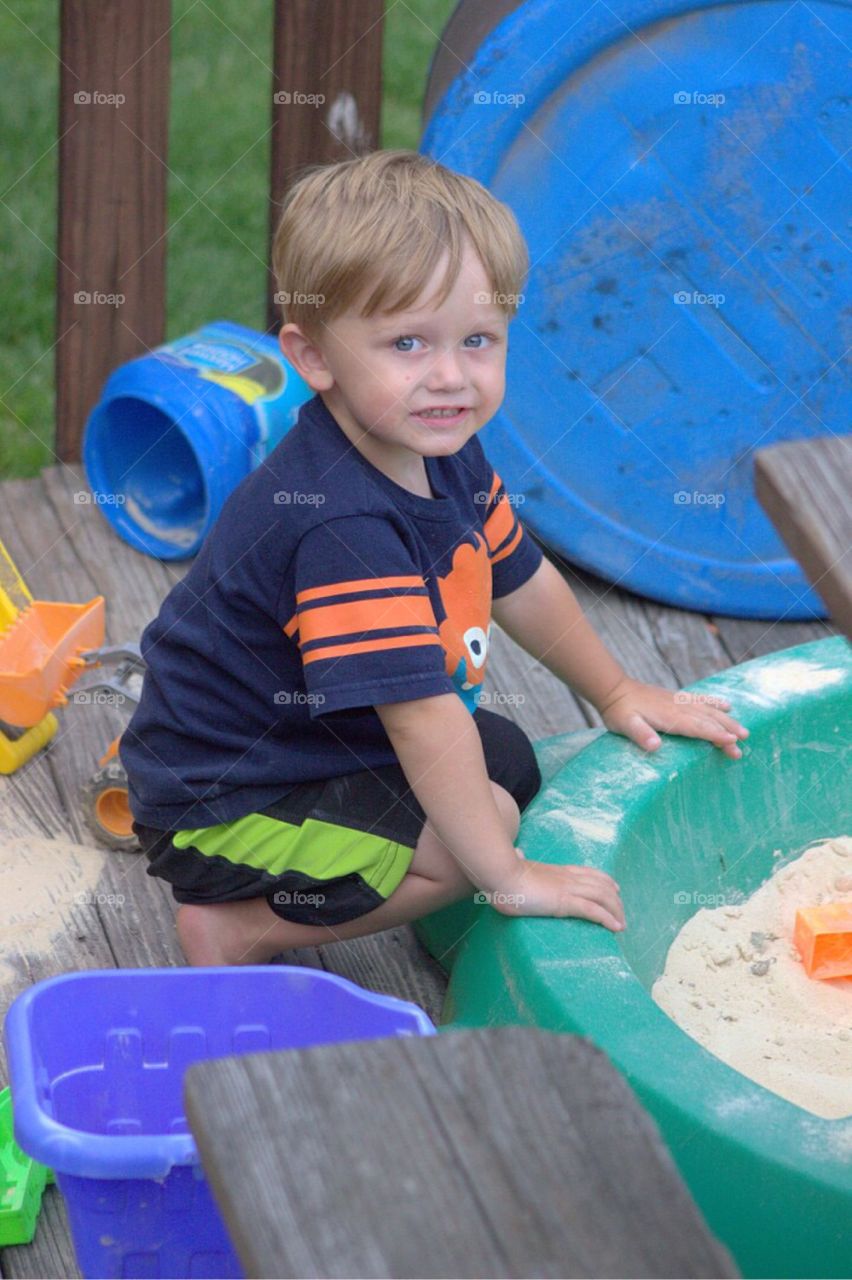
(308, 762)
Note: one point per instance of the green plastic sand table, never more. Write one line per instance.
(773, 1180)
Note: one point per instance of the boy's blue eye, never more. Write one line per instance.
(409, 338)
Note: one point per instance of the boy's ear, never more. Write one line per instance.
(305, 357)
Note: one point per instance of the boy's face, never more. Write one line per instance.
(377, 376)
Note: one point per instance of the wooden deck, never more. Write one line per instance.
(67, 551)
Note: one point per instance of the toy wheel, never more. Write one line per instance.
(11, 731)
(106, 807)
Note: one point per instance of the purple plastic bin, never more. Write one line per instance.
(97, 1060)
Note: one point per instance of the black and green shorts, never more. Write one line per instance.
(328, 851)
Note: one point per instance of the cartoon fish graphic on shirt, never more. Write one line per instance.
(466, 596)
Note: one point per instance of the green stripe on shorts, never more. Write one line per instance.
(320, 850)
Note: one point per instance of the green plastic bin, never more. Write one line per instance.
(774, 1181)
(22, 1182)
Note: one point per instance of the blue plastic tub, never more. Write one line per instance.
(175, 431)
(680, 172)
(97, 1060)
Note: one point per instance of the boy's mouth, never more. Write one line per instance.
(449, 416)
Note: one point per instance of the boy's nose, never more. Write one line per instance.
(445, 374)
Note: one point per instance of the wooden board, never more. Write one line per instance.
(499, 1152)
(805, 487)
(111, 252)
(327, 95)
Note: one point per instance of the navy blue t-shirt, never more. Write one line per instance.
(323, 589)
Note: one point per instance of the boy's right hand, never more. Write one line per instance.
(541, 889)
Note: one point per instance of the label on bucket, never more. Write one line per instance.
(251, 366)
(177, 429)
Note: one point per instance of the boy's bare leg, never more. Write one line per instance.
(250, 932)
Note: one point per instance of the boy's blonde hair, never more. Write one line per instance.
(372, 230)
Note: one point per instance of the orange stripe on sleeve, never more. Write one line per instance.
(365, 615)
(359, 584)
(510, 547)
(367, 646)
(499, 524)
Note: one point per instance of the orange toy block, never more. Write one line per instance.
(823, 936)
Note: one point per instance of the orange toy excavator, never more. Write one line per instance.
(45, 647)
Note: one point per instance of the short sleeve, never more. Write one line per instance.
(363, 618)
(514, 556)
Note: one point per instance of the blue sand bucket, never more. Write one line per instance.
(175, 431)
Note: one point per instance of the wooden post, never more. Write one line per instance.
(327, 92)
(113, 128)
(803, 486)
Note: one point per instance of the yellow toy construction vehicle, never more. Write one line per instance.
(45, 647)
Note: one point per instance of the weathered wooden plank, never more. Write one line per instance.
(746, 638)
(113, 140)
(48, 912)
(502, 1151)
(136, 911)
(130, 909)
(623, 623)
(687, 642)
(133, 909)
(805, 487)
(132, 583)
(40, 541)
(523, 690)
(393, 962)
(327, 93)
(527, 692)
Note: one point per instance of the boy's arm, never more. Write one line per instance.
(439, 748)
(544, 617)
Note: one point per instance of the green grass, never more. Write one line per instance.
(218, 150)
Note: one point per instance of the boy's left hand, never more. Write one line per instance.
(636, 710)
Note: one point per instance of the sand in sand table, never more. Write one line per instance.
(734, 982)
